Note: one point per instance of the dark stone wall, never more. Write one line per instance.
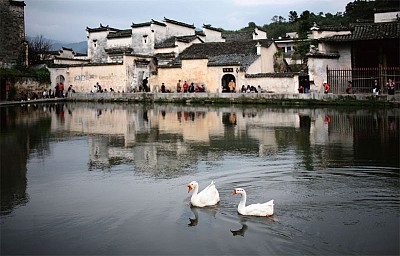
(12, 31)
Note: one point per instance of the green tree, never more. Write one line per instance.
(293, 16)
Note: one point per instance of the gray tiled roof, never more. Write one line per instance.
(101, 28)
(147, 24)
(237, 36)
(370, 31)
(208, 26)
(323, 55)
(206, 50)
(333, 28)
(120, 34)
(170, 42)
(241, 60)
(167, 43)
(241, 53)
(179, 23)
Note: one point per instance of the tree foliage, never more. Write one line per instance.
(359, 10)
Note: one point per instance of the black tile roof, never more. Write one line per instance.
(200, 33)
(167, 43)
(170, 42)
(147, 24)
(208, 26)
(165, 55)
(241, 60)
(179, 23)
(370, 31)
(323, 55)
(119, 50)
(17, 3)
(206, 50)
(237, 36)
(333, 28)
(241, 53)
(120, 34)
(101, 28)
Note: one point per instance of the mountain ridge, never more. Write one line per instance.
(78, 47)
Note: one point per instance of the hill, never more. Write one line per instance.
(78, 47)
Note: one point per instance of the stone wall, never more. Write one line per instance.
(12, 32)
(28, 88)
(84, 79)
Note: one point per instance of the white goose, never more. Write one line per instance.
(207, 197)
(265, 209)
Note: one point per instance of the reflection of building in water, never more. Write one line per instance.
(150, 136)
(114, 121)
(98, 152)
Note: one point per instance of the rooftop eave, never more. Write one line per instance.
(321, 55)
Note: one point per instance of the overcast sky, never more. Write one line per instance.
(66, 20)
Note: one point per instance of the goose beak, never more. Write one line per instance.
(189, 188)
(234, 192)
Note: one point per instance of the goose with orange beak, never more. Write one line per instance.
(207, 197)
(265, 209)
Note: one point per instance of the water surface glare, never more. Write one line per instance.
(110, 179)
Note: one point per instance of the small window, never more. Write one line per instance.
(289, 49)
(145, 39)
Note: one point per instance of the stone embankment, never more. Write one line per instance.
(309, 99)
(243, 98)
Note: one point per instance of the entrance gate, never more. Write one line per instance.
(225, 81)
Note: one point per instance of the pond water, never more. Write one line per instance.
(80, 178)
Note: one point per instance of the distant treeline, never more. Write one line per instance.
(357, 11)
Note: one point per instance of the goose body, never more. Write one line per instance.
(207, 197)
(265, 209)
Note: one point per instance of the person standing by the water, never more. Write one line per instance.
(390, 86)
(376, 88)
(326, 87)
(57, 92)
(185, 87)
(178, 86)
(349, 89)
(144, 83)
(61, 90)
(232, 86)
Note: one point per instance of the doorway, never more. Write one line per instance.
(225, 81)
(60, 79)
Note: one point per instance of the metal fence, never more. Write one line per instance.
(362, 78)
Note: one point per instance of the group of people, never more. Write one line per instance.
(58, 92)
(376, 88)
(98, 89)
(250, 89)
(185, 87)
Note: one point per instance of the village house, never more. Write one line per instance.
(360, 53)
(169, 51)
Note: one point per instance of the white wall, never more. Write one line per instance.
(122, 42)
(386, 16)
(259, 34)
(97, 42)
(213, 35)
(176, 30)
